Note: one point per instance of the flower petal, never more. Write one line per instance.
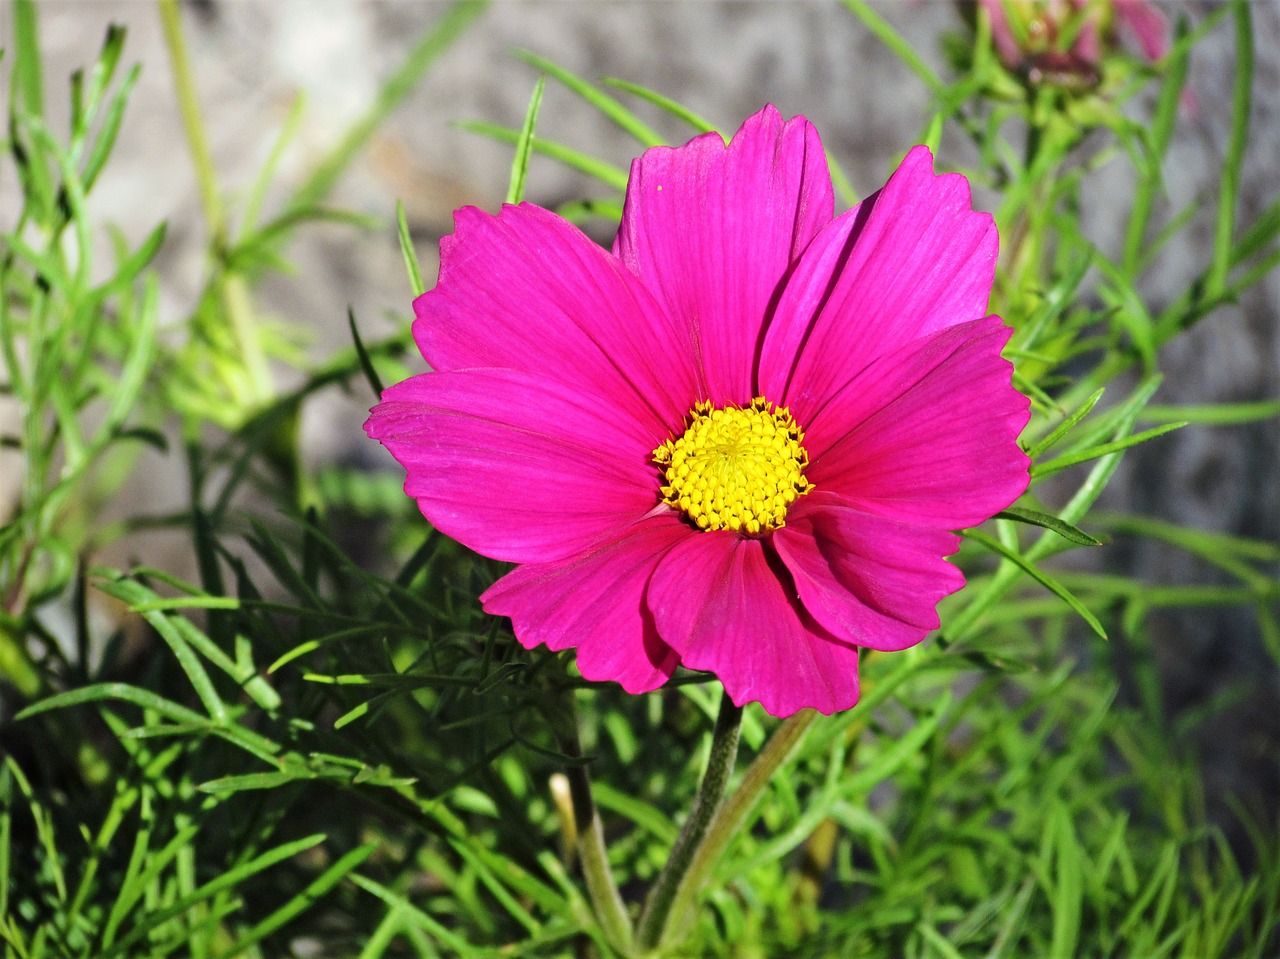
(720, 601)
(527, 290)
(596, 603)
(927, 434)
(870, 580)
(1147, 24)
(516, 466)
(712, 229)
(910, 260)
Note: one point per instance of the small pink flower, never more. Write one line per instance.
(740, 441)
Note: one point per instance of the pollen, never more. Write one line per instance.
(735, 468)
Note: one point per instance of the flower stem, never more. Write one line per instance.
(730, 819)
(593, 854)
(724, 752)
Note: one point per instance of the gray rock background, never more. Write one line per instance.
(723, 59)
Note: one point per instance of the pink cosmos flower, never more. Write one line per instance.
(741, 440)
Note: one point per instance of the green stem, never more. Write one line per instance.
(720, 761)
(593, 854)
(729, 821)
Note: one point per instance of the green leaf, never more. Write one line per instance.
(677, 110)
(524, 145)
(304, 899)
(1238, 141)
(410, 256)
(611, 107)
(1039, 470)
(1160, 136)
(1067, 892)
(1214, 414)
(1066, 425)
(898, 752)
(113, 120)
(227, 880)
(366, 363)
(28, 88)
(101, 692)
(897, 43)
(1039, 575)
(649, 818)
(227, 785)
(456, 944)
(606, 173)
(1065, 530)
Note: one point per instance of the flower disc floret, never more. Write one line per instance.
(735, 468)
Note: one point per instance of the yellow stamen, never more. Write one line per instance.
(737, 468)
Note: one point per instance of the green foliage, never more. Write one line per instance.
(315, 753)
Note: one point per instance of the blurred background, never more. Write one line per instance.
(255, 60)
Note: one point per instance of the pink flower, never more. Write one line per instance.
(740, 441)
(1031, 35)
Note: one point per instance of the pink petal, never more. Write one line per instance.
(712, 229)
(526, 290)
(596, 602)
(724, 603)
(516, 466)
(870, 580)
(927, 434)
(1147, 24)
(910, 260)
(1006, 43)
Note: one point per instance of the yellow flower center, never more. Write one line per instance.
(737, 468)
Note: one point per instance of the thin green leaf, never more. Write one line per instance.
(611, 107)
(606, 173)
(1061, 430)
(1039, 470)
(1045, 520)
(1067, 892)
(1214, 414)
(366, 363)
(524, 145)
(1039, 575)
(304, 899)
(227, 880)
(897, 43)
(407, 251)
(677, 110)
(28, 88)
(111, 124)
(455, 943)
(1229, 182)
(1160, 135)
(898, 752)
(103, 692)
